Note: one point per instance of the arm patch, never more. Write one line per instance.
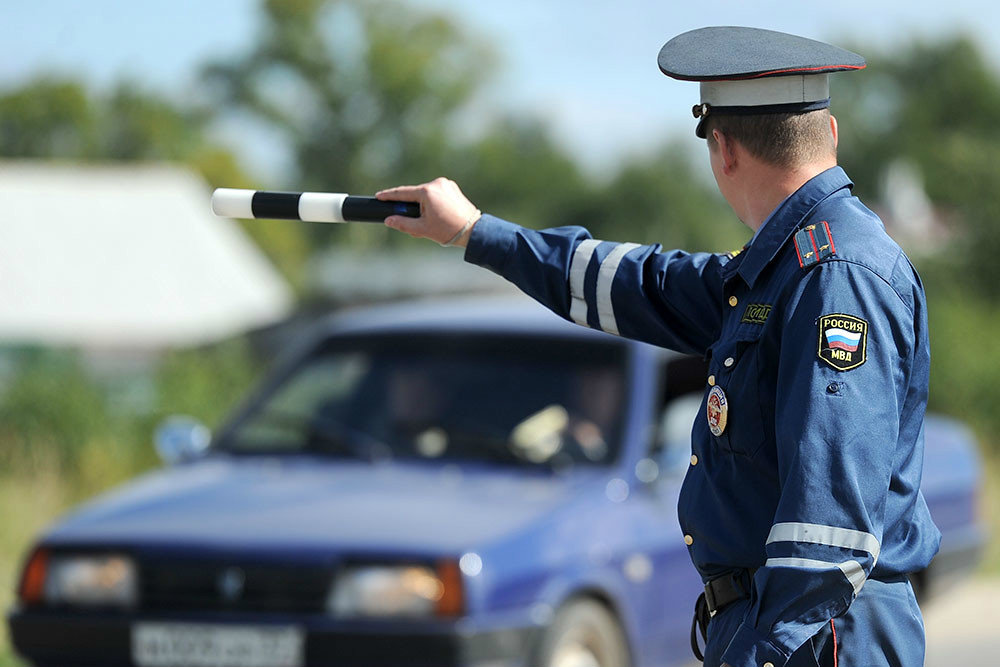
(843, 340)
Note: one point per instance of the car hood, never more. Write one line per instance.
(312, 504)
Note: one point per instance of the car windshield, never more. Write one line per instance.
(476, 397)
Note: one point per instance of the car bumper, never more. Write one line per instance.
(66, 639)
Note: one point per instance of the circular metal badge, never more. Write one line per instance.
(718, 409)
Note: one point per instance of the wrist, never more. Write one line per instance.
(461, 238)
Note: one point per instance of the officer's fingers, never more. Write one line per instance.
(452, 186)
(411, 226)
(403, 193)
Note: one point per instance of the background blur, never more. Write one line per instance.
(545, 113)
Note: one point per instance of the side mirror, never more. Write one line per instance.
(179, 438)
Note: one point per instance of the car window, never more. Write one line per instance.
(507, 399)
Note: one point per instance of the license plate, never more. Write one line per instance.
(199, 645)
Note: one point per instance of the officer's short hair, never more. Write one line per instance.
(781, 139)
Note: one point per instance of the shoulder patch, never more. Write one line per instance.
(843, 340)
(813, 244)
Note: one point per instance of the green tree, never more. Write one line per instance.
(935, 105)
(364, 93)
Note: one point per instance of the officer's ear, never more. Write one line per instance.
(833, 130)
(726, 151)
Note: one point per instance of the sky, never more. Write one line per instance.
(588, 68)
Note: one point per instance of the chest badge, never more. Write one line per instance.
(718, 410)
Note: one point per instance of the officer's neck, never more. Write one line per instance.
(764, 186)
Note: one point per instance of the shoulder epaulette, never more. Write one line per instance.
(813, 244)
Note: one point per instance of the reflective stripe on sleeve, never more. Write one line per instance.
(851, 568)
(577, 273)
(605, 279)
(830, 536)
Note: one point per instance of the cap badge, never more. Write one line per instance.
(717, 410)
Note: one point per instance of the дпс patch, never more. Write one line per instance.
(756, 313)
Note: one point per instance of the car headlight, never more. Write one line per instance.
(397, 590)
(90, 580)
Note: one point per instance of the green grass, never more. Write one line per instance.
(990, 511)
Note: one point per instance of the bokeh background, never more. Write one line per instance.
(546, 113)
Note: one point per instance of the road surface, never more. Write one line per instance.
(963, 625)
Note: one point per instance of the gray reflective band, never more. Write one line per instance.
(605, 279)
(830, 536)
(577, 274)
(851, 568)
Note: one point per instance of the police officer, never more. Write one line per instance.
(801, 508)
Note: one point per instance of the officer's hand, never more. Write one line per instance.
(444, 211)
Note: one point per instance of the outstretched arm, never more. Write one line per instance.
(672, 299)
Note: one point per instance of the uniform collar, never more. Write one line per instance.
(783, 222)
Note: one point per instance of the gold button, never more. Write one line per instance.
(728, 362)
(711, 380)
(694, 459)
(688, 540)
(768, 664)
(733, 301)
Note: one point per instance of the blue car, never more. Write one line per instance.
(470, 483)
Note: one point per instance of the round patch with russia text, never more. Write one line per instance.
(843, 340)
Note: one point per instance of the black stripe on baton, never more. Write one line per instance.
(281, 205)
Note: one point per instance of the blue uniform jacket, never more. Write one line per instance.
(821, 358)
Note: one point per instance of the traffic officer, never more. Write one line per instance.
(801, 508)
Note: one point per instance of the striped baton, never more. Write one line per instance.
(307, 206)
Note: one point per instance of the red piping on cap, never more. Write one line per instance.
(773, 72)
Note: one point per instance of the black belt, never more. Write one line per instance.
(719, 592)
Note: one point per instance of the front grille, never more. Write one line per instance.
(206, 586)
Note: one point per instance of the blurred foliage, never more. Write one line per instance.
(54, 405)
(367, 95)
(363, 92)
(935, 106)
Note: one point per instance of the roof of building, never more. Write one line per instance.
(129, 256)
